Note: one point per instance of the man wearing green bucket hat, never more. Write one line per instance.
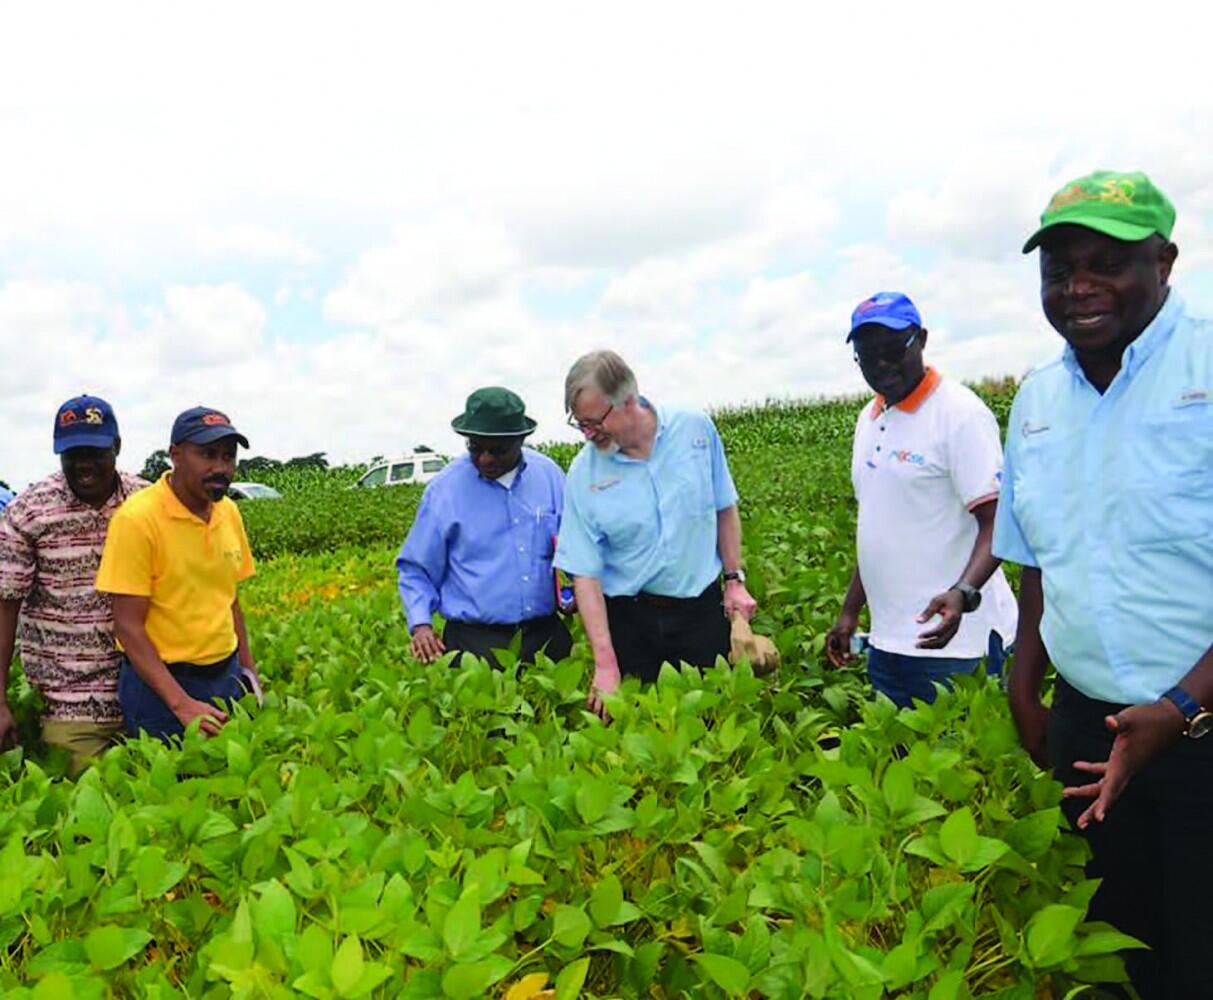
(480, 548)
(1107, 503)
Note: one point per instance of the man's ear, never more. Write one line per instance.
(922, 337)
(1166, 260)
(117, 446)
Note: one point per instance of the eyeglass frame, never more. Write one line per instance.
(885, 357)
(593, 424)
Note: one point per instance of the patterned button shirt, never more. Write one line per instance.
(50, 547)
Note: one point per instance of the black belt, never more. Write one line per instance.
(663, 601)
(528, 623)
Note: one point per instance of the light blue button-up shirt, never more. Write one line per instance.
(479, 551)
(649, 524)
(1111, 496)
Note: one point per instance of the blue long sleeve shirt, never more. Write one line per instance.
(479, 551)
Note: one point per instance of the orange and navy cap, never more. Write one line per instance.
(85, 422)
(202, 425)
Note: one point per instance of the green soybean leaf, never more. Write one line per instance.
(470, 979)
(346, 970)
(570, 926)
(727, 973)
(1105, 943)
(592, 800)
(571, 979)
(461, 926)
(274, 911)
(606, 901)
(154, 874)
(1049, 936)
(958, 835)
(108, 946)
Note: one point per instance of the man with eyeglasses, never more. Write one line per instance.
(650, 526)
(480, 549)
(926, 467)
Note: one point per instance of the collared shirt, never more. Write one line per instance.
(188, 568)
(480, 550)
(649, 524)
(919, 469)
(50, 547)
(1111, 496)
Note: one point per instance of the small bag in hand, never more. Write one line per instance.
(758, 649)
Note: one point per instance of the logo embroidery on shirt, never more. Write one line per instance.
(700, 442)
(1030, 429)
(908, 457)
(605, 484)
(1191, 397)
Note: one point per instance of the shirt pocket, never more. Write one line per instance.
(1043, 487)
(1167, 495)
(547, 525)
(691, 480)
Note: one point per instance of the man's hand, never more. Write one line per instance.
(838, 640)
(427, 644)
(8, 727)
(737, 598)
(212, 718)
(950, 607)
(1142, 731)
(1032, 723)
(606, 680)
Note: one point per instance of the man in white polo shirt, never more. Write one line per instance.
(926, 468)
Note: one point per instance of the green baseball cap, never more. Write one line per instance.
(493, 412)
(1124, 206)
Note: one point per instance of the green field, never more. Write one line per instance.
(381, 828)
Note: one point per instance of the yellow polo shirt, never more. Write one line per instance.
(188, 568)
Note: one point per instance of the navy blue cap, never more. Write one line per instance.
(202, 425)
(85, 422)
(891, 309)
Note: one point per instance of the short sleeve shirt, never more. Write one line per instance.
(649, 524)
(50, 548)
(1111, 496)
(187, 568)
(919, 469)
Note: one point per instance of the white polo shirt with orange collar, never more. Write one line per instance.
(919, 469)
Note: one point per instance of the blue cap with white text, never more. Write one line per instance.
(891, 309)
(85, 422)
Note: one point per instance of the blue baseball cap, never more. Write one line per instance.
(891, 309)
(85, 422)
(202, 425)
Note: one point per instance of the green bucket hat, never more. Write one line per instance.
(1124, 206)
(493, 412)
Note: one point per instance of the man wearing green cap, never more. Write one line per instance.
(1107, 503)
(480, 549)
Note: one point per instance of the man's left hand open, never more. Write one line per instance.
(1142, 731)
(737, 598)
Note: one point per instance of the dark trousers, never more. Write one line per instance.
(647, 631)
(1152, 849)
(142, 709)
(548, 633)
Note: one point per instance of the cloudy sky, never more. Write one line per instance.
(335, 220)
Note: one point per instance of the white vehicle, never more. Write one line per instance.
(408, 469)
(252, 491)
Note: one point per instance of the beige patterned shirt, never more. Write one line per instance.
(50, 547)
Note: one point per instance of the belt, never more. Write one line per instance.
(527, 623)
(662, 601)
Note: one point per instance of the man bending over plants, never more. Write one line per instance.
(480, 548)
(650, 524)
(173, 558)
(51, 538)
(925, 465)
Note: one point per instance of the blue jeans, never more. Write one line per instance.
(142, 709)
(903, 677)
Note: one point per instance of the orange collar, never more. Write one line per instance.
(930, 382)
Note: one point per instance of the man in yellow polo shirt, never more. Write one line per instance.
(173, 557)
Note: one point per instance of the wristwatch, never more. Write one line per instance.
(1197, 719)
(971, 595)
(735, 574)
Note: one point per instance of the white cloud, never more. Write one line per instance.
(258, 243)
(205, 326)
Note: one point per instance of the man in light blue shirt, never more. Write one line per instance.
(480, 549)
(1107, 503)
(650, 522)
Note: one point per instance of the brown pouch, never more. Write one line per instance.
(758, 649)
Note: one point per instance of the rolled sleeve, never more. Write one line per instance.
(723, 490)
(126, 559)
(18, 559)
(1009, 542)
(578, 551)
(421, 564)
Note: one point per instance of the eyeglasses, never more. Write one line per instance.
(593, 424)
(887, 356)
(496, 450)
